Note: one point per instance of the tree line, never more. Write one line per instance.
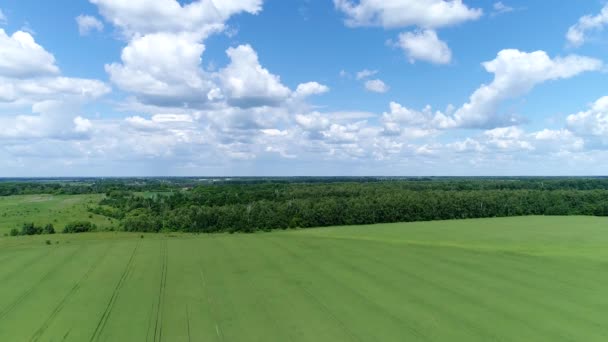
(267, 206)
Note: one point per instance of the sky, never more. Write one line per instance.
(303, 88)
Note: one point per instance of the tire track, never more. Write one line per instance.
(158, 325)
(188, 323)
(72, 292)
(210, 304)
(104, 318)
(464, 296)
(27, 292)
(324, 307)
(254, 287)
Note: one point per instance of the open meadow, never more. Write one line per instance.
(505, 279)
(57, 210)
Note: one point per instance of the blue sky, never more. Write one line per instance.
(303, 87)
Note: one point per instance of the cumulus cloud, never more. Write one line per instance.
(247, 83)
(88, 24)
(203, 17)
(376, 86)
(28, 74)
(395, 14)
(578, 33)
(22, 57)
(425, 46)
(164, 69)
(427, 15)
(592, 122)
(310, 88)
(515, 74)
(50, 120)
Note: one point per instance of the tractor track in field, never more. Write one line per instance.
(31, 289)
(324, 307)
(446, 289)
(72, 291)
(106, 314)
(259, 295)
(210, 304)
(188, 323)
(158, 324)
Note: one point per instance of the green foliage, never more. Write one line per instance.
(79, 227)
(268, 206)
(48, 229)
(30, 229)
(142, 220)
(14, 232)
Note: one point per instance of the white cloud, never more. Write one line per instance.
(87, 24)
(22, 57)
(3, 19)
(312, 122)
(164, 69)
(247, 84)
(515, 74)
(577, 33)
(404, 13)
(26, 91)
(593, 122)
(426, 46)
(28, 74)
(310, 88)
(365, 73)
(82, 125)
(401, 120)
(54, 120)
(376, 86)
(203, 17)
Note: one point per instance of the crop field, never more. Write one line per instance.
(508, 279)
(44, 209)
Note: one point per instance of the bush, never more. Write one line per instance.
(48, 242)
(30, 229)
(48, 229)
(14, 232)
(79, 227)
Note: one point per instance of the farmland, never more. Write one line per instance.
(507, 279)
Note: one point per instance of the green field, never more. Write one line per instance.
(511, 279)
(44, 209)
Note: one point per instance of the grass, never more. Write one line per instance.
(44, 209)
(508, 279)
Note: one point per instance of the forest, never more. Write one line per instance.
(268, 205)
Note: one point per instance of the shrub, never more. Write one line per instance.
(48, 242)
(14, 232)
(48, 229)
(30, 229)
(79, 227)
